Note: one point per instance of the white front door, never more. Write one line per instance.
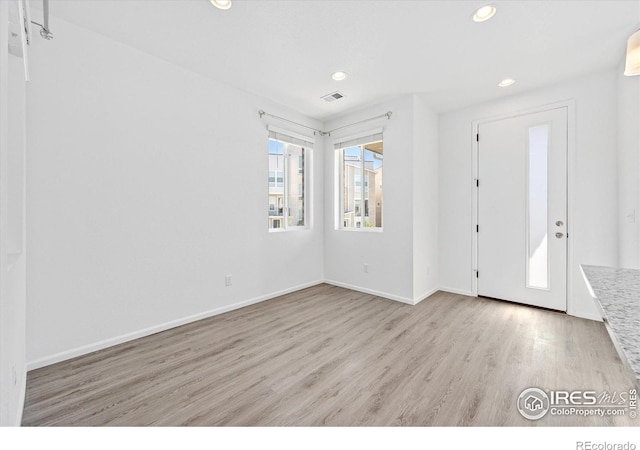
(522, 209)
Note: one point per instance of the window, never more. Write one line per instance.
(288, 166)
(360, 182)
(537, 226)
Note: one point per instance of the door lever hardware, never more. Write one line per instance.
(559, 223)
(559, 235)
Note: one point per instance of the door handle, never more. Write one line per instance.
(559, 235)
(559, 223)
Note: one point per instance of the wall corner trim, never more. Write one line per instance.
(22, 399)
(417, 299)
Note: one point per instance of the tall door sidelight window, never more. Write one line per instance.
(537, 208)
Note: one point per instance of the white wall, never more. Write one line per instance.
(393, 255)
(628, 170)
(425, 200)
(594, 230)
(147, 185)
(12, 236)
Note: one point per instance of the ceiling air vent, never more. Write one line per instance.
(333, 96)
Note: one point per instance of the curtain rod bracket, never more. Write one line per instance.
(46, 34)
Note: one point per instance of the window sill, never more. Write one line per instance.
(361, 230)
(288, 230)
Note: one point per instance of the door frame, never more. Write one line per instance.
(571, 163)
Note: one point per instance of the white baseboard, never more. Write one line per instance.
(85, 349)
(397, 298)
(90, 348)
(424, 296)
(23, 394)
(457, 291)
(588, 316)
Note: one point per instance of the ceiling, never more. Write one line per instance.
(287, 50)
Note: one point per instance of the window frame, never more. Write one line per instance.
(292, 162)
(340, 197)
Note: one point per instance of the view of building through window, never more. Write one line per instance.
(362, 186)
(286, 184)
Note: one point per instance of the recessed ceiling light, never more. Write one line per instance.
(484, 13)
(632, 63)
(506, 82)
(222, 4)
(339, 75)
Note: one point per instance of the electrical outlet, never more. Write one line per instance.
(365, 268)
(227, 280)
(631, 216)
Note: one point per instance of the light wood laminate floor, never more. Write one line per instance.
(331, 356)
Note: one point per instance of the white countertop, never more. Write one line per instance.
(617, 292)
